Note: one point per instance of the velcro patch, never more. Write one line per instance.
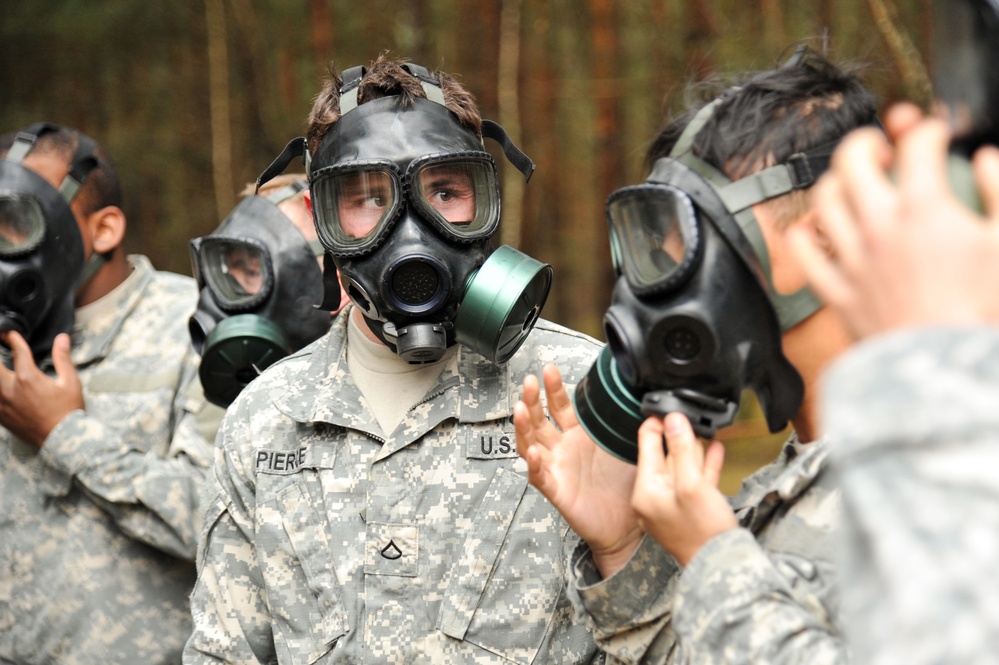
(281, 462)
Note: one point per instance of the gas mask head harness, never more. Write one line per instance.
(259, 282)
(695, 318)
(406, 201)
(41, 249)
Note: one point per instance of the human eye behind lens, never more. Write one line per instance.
(451, 192)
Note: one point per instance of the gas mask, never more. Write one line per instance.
(695, 318)
(259, 282)
(406, 202)
(41, 249)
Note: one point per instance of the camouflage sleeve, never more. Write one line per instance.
(151, 496)
(733, 605)
(629, 613)
(915, 415)
(231, 621)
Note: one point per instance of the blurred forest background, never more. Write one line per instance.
(194, 98)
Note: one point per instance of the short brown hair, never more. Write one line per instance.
(386, 77)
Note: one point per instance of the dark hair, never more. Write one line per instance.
(386, 77)
(102, 187)
(768, 116)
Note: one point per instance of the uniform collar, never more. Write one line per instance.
(92, 340)
(470, 389)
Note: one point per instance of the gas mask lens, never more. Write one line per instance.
(357, 203)
(353, 202)
(459, 193)
(655, 236)
(22, 224)
(238, 272)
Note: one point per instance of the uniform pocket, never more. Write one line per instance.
(303, 594)
(507, 579)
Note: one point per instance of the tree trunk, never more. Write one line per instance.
(508, 85)
(218, 88)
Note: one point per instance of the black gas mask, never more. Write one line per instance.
(694, 318)
(41, 249)
(259, 282)
(407, 202)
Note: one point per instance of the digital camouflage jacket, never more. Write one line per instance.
(98, 527)
(330, 541)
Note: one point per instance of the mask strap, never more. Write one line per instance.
(284, 193)
(353, 76)
(431, 87)
(516, 156)
(348, 91)
(331, 285)
(84, 162)
(791, 308)
(90, 268)
(295, 148)
(684, 144)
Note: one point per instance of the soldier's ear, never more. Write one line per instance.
(107, 228)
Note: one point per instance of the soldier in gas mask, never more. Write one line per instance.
(368, 502)
(913, 272)
(104, 448)
(708, 303)
(260, 284)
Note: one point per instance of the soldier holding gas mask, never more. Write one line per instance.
(707, 303)
(105, 442)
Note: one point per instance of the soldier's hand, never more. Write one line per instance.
(31, 402)
(676, 494)
(591, 488)
(895, 248)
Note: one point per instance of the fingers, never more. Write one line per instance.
(61, 360)
(686, 451)
(900, 118)
(24, 361)
(861, 164)
(986, 165)
(651, 457)
(714, 460)
(559, 402)
(526, 448)
(921, 162)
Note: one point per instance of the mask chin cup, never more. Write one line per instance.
(706, 414)
(417, 343)
(611, 410)
(236, 351)
(502, 303)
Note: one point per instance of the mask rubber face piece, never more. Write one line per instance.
(406, 201)
(259, 282)
(690, 325)
(41, 258)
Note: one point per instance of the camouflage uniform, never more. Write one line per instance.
(76, 585)
(918, 414)
(329, 541)
(759, 594)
